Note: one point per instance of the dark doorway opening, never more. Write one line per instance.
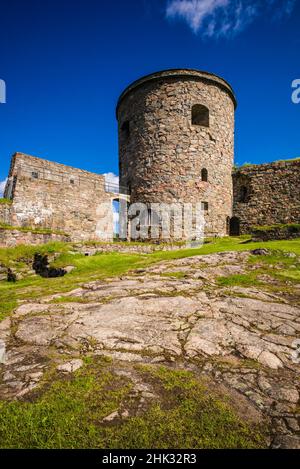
(235, 226)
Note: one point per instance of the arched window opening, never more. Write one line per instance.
(200, 115)
(243, 194)
(204, 175)
(125, 128)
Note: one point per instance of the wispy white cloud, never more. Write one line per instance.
(195, 11)
(215, 18)
(2, 187)
(111, 178)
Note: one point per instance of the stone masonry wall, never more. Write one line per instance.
(162, 154)
(59, 197)
(5, 213)
(267, 194)
(11, 238)
(276, 232)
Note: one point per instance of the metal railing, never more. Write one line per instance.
(116, 188)
(65, 177)
(61, 177)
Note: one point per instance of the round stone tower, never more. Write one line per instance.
(176, 142)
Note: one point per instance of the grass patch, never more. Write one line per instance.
(288, 159)
(88, 269)
(277, 265)
(25, 253)
(27, 229)
(104, 265)
(279, 231)
(277, 258)
(7, 305)
(243, 280)
(242, 243)
(69, 299)
(4, 201)
(291, 226)
(133, 243)
(66, 415)
(291, 274)
(69, 414)
(178, 275)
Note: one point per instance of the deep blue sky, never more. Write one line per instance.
(66, 62)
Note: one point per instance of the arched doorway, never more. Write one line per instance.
(116, 215)
(234, 226)
(121, 223)
(228, 226)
